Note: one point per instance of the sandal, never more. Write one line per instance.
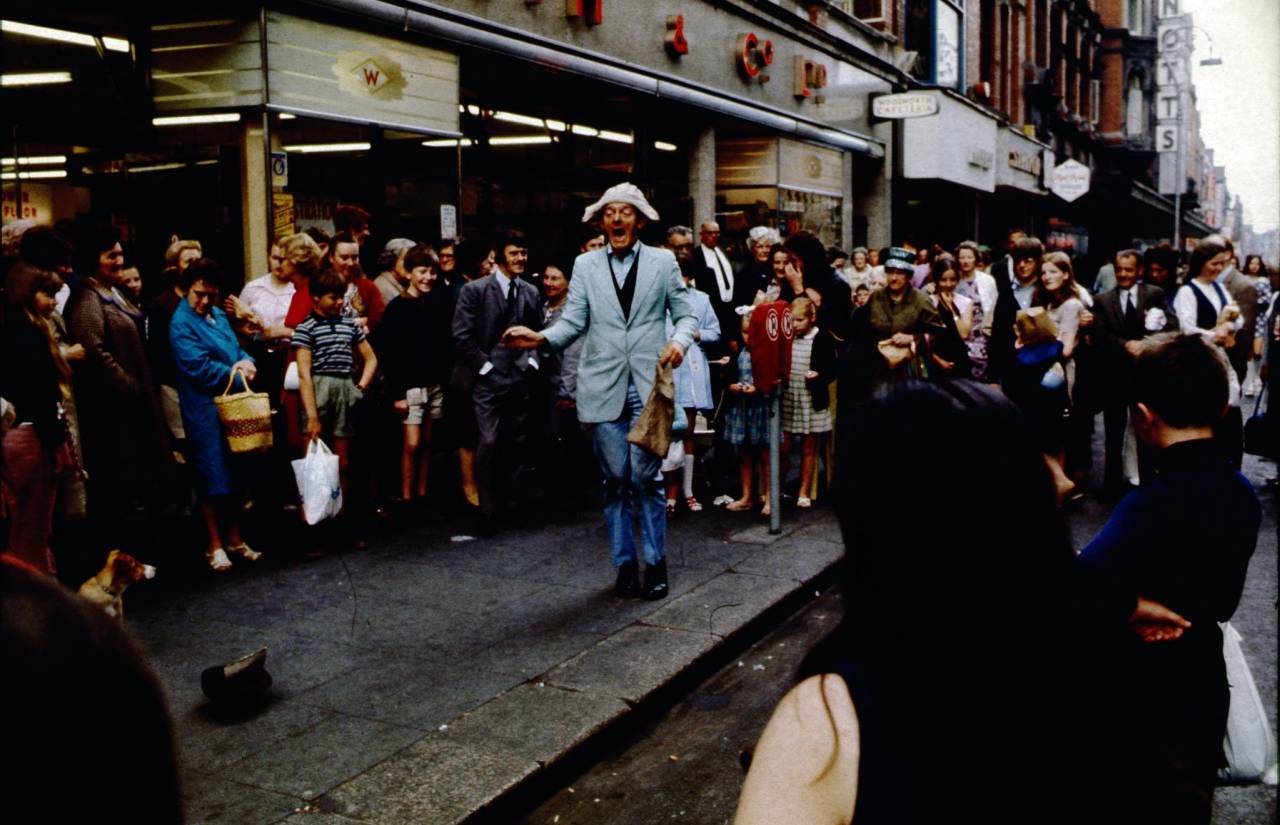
(218, 560)
(765, 511)
(738, 506)
(804, 502)
(693, 504)
(245, 551)
(671, 507)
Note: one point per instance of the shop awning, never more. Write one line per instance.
(480, 33)
(1145, 194)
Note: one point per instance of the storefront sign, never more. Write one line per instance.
(902, 106)
(592, 11)
(958, 145)
(753, 55)
(37, 203)
(676, 43)
(981, 158)
(1028, 162)
(811, 77)
(1070, 180)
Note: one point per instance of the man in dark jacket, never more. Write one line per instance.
(1014, 292)
(1125, 315)
(1183, 539)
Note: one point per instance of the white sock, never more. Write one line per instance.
(688, 476)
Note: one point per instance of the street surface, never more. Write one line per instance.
(686, 765)
(436, 680)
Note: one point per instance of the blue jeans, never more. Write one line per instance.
(631, 476)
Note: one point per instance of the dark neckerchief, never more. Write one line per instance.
(628, 289)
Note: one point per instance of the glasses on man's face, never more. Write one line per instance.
(446, 256)
(685, 245)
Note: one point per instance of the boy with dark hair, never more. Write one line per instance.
(1014, 292)
(1183, 539)
(324, 346)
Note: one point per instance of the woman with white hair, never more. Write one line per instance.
(393, 278)
(756, 272)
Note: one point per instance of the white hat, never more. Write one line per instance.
(622, 193)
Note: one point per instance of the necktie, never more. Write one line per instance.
(1130, 311)
(725, 286)
(511, 300)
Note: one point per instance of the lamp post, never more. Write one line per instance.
(1179, 182)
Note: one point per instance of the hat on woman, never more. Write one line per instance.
(622, 193)
(900, 260)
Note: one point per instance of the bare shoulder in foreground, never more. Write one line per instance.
(805, 768)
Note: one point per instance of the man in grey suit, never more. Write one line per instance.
(497, 379)
(619, 297)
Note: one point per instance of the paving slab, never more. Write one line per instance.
(211, 799)
(633, 662)
(723, 604)
(322, 756)
(436, 781)
(539, 722)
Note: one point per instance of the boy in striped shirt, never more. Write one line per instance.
(324, 346)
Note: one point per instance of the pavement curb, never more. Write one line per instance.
(502, 757)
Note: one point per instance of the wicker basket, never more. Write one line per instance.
(245, 417)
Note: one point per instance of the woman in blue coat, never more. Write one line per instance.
(206, 352)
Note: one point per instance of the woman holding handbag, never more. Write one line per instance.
(35, 379)
(208, 358)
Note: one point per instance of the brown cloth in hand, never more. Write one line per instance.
(1034, 326)
(652, 429)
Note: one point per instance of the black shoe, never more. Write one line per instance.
(655, 581)
(628, 584)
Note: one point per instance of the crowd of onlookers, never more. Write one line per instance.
(392, 355)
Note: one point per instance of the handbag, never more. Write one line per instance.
(1248, 745)
(893, 354)
(245, 416)
(1259, 431)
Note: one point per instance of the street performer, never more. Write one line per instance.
(619, 297)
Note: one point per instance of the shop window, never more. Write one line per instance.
(872, 12)
(934, 30)
(787, 184)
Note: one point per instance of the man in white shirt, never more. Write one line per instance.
(1126, 314)
(720, 282)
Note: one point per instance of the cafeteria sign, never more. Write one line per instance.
(903, 106)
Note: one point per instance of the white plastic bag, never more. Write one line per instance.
(1249, 746)
(317, 476)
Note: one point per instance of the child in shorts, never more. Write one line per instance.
(416, 345)
(325, 346)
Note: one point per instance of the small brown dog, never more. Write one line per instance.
(106, 589)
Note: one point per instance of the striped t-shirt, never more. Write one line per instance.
(332, 342)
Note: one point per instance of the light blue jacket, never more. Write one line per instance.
(620, 350)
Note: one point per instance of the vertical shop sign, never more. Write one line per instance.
(448, 220)
(1172, 79)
